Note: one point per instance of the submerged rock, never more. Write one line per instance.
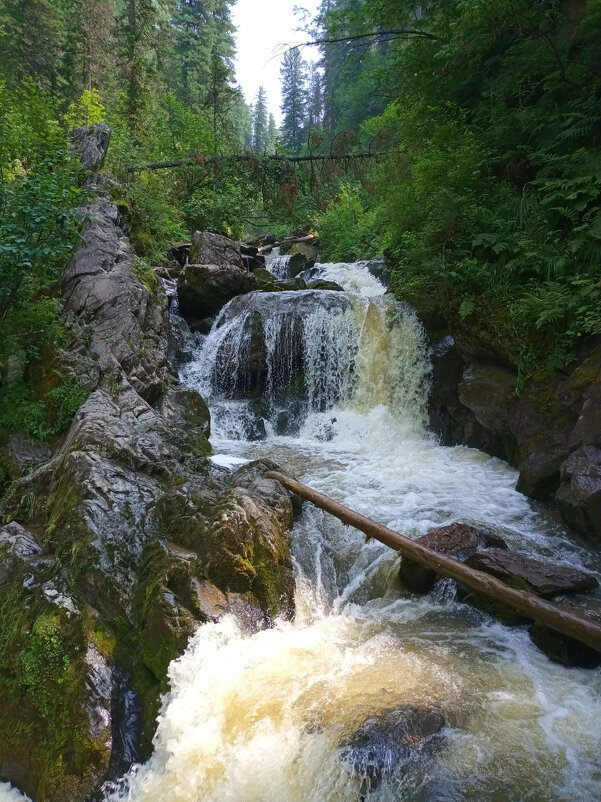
(397, 741)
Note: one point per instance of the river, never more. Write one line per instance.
(264, 717)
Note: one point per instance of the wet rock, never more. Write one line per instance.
(211, 604)
(17, 546)
(396, 741)
(204, 288)
(25, 454)
(91, 144)
(579, 495)
(458, 540)
(524, 573)
(325, 285)
(213, 249)
(562, 649)
(186, 408)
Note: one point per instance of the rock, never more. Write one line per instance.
(249, 250)
(579, 495)
(210, 602)
(524, 573)
(566, 651)
(121, 319)
(451, 420)
(457, 540)
(266, 240)
(253, 262)
(17, 546)
(213, 249)
(204, 288)
(91, 144)
(307, 250)
(134, 520)
(396, 741)
(186, 408)
(26, 454)
(325, 285)
(519, 428)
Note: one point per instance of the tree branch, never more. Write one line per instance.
(393, 33)
(200, 161)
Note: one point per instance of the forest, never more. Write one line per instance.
(175, 623)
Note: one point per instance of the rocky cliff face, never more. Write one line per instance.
(550, 431)
(126, 538)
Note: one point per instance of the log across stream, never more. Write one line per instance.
(528, 604)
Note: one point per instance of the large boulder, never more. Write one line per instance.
(117, 313)
(213, 249)
(204, 288)
(535, 576)
(458, 540)
(579, 495)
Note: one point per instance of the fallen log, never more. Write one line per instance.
(200, 161)
(529, 605)
(310, 239)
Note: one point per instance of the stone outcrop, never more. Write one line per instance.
(91, 144)
(123, 540)
(579, 494)
(550, 431)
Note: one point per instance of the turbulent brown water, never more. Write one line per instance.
(262, 717)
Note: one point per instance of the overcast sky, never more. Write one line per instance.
(264, 26)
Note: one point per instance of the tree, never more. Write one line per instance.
(294, 100)
(315, 98)
(260, 121)
(272, 135)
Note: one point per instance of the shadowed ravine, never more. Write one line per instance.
(265, 716)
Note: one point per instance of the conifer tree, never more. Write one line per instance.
(294, 100)
(260, 121)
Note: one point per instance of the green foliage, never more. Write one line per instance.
(347, 231)
(490, 207)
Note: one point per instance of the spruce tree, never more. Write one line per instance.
(294, 100)
(260, 121)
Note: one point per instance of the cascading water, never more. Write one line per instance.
(263, 717)
(278, 265)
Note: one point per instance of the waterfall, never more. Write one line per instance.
(333, 386)
(291, 354)
(278, 265)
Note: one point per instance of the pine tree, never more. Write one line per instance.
(315, 98)
(98, 18)
(294, 100)
(260, 121)
(272, 135)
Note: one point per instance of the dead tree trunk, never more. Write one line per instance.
(528, 604)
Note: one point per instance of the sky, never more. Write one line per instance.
(264, 27)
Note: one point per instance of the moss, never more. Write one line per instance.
(146, 275)
(44, 729)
